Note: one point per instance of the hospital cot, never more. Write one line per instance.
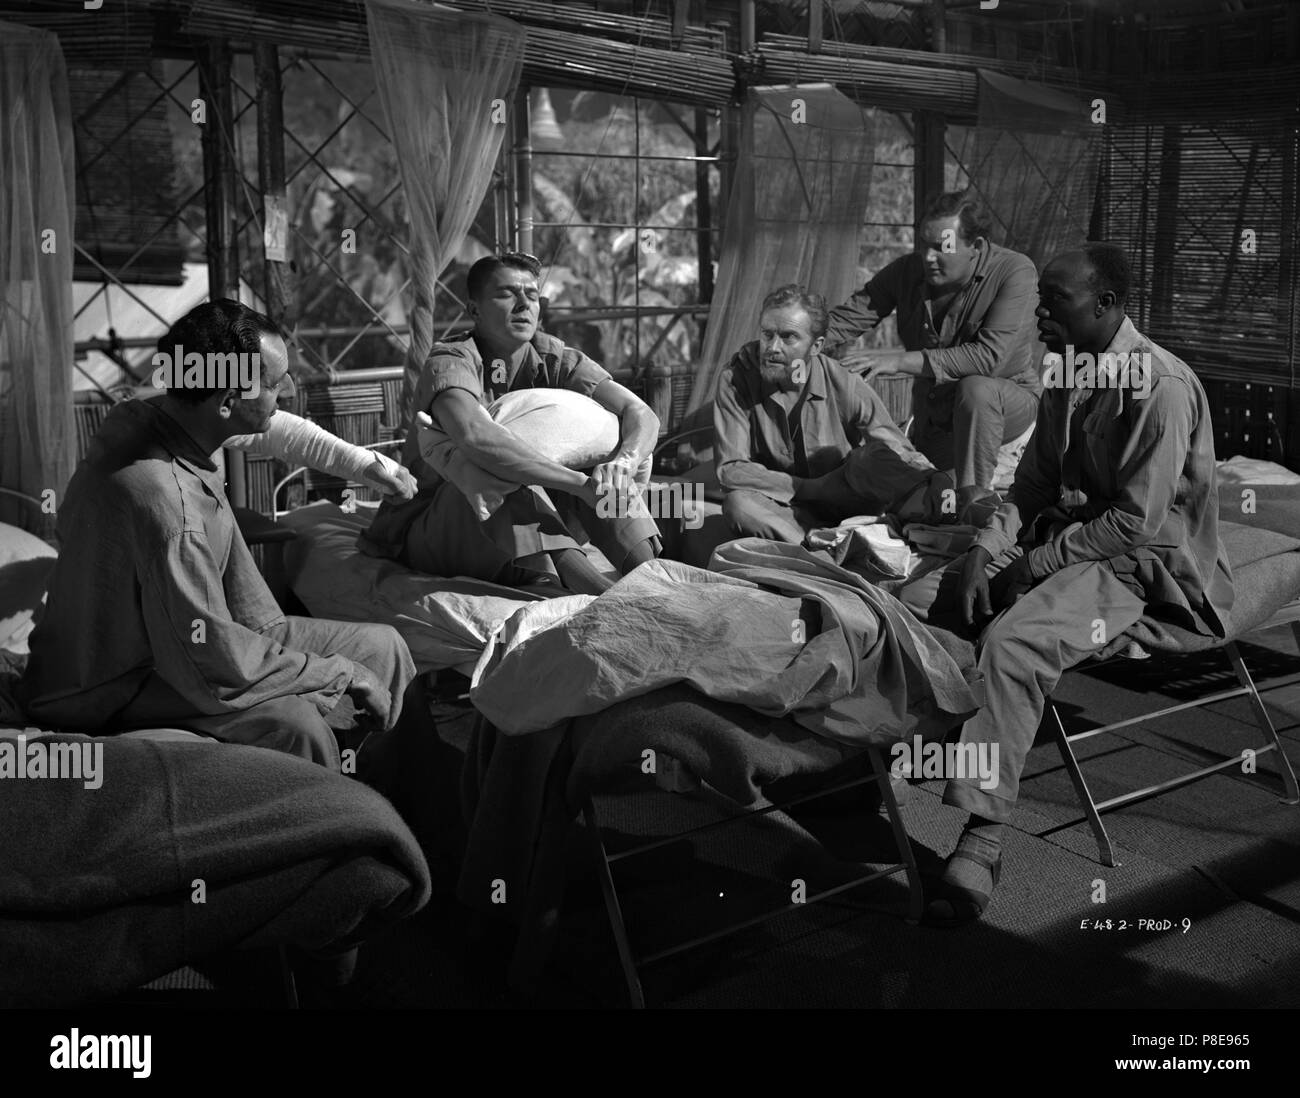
(328, 574)
(98, 885)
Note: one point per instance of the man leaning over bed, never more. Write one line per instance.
(156, 614)
(1134, 437)
(531, 535)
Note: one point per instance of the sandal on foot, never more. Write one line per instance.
(952, 905)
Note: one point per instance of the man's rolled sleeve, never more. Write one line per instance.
(990, 353)
(865, 308)
(216, 664)
(733, 448)
(580, 373)
(1146, 482)
(446, 371)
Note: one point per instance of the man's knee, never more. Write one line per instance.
(977, 393)
(291, 725)
(745, 510)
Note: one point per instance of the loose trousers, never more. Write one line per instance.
(1023, 653)
(987, 412)
(449, 539)
(294, 724)
(873, 479)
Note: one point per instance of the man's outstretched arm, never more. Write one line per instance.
(298, 442)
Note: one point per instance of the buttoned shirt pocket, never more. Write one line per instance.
(1102, 441)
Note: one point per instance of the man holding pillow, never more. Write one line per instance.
(528, 531)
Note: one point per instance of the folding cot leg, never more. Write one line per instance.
(916, 897)
(625, 955)
(1105, 851)
(1265, 721)
(287, 981)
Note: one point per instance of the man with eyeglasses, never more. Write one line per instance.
(530, 536)
(965, 312)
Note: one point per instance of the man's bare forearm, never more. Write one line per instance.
(638, 430)
(495, 450)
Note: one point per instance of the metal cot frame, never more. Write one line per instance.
(632, 964)
(1093, 809)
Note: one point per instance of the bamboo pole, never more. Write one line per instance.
(220, 212)
(523, 157)
(279, 295)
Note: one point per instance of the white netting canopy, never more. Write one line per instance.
(37, 439)
(795, 212)
(444, 79)
(1033, 158)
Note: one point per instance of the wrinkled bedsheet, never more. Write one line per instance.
(769, 626)
(445, 622)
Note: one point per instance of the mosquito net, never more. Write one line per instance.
(1033, 158)
(794, 215)
(37, 438)
(445, 79)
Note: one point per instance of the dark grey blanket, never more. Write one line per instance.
(99, 887)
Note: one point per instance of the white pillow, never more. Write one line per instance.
(25, 566)
(567, 427)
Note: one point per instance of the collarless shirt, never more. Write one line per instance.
(1146, 466)
(761, 445)
(153, 579)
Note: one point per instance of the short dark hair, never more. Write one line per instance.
(812, 304)
(1110, 269)
(482, 271)
(216, 327)
(972, 215)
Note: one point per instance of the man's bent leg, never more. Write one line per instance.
(752, 514)
(292, 725)
(1023, 653)
(378, 647)
(987, 412)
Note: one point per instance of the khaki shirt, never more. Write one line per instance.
(1146, 466)
(757, 448)
(989, 327)
(458, 364)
